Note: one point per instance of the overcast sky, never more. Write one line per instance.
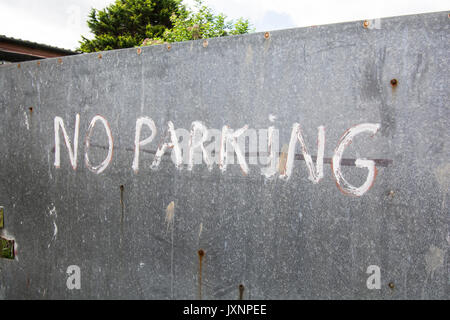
(61, 23)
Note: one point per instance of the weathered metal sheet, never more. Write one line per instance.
(132, 227)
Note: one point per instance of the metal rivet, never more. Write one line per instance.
(205, 43)
(266, 35)
(366, 23)
(391, 285)
(394, 82)
(138, 50)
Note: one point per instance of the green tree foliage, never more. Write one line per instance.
(202, 23)
(126, 23)
(130, 23)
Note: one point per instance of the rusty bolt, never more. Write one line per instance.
(366, 23)
(169, 47)
(31, 109)
(205, 43)
(18, 66)
(391, 285)
(38, 63)
(201, 253)
(59, 60)
(266, 35)
(394, 82)
(100, 56)
(139, 50)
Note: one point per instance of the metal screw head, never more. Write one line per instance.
(394, 82)
(266, 35)
(366, 23)
(391, 285)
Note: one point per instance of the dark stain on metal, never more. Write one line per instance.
(266, 35)
(201, 254)
(394, 83)
(31, 110)
(391, 285)
(241, 291)
(7, 248)
(366, 24)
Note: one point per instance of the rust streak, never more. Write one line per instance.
(201, 254)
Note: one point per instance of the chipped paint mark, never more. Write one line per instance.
(442, 174)
(283, 160)
(434, 259)
(27, 124)
(170, 219)
(272, 118)
(200, 230)
(53, 213)
(170, 215)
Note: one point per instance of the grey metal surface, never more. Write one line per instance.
(281, 239)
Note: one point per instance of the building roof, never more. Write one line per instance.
(16, 50)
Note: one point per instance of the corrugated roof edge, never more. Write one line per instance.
(37, 45)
